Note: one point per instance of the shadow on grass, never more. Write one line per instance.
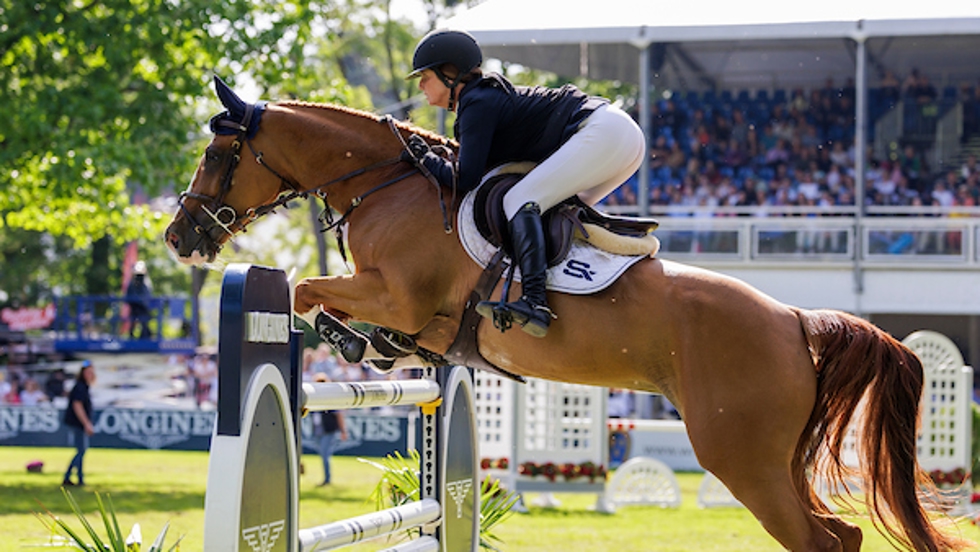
(18, 499)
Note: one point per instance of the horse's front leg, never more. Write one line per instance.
(366, 296)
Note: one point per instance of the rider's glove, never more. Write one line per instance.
(417, 148)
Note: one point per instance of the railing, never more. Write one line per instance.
(798, 235)
(99, 323)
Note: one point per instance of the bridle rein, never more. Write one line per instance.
(224, 219)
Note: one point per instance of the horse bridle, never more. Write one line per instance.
(216, 208)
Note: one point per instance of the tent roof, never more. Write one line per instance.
(715, 43)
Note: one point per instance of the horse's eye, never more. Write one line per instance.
(211, 156)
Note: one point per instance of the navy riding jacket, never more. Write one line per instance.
(497, 122)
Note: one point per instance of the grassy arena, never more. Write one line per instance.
(151, 488)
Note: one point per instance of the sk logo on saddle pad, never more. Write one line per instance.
(587, 269)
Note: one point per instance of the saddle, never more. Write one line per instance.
(561, 222)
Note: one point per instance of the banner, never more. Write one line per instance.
(23, 319)
(369, 435)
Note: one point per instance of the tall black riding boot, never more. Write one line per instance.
(531, 311)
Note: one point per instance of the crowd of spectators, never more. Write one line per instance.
(20, 388)
(796, 149)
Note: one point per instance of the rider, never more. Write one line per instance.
(583, 145)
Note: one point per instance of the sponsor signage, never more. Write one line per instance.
(371, 435)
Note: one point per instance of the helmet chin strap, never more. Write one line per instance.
(451, 85)
(452, 99)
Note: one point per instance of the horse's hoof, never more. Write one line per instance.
(383, 365)
(343, 339)
(392, 343)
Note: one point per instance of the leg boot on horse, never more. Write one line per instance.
(531, 311)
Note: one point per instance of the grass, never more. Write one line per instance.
(154, 487)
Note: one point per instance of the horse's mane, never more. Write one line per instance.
(428, 135)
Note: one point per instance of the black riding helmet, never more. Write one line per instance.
(446, 46)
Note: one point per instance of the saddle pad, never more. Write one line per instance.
(587, 269)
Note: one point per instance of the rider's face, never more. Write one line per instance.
(435, 91)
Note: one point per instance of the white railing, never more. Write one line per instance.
(921, 241)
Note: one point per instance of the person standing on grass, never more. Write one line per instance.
(78, 418)
(329, 428)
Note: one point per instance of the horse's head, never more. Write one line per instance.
(218, 203)
(340, 154)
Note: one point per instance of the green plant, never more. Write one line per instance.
(399, 484)
(975, 445)
(65, 537)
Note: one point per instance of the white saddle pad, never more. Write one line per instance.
(587, 269)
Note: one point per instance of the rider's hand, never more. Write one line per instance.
(417, 146)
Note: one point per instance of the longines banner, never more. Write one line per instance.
(40, 426)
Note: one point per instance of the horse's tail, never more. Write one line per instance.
(854, 360)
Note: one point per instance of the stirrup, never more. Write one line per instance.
(534, 326)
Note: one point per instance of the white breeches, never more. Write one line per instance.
(592, 163)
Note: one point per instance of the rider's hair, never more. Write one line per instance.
(451, 71)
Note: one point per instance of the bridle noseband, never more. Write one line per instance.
(224, 219)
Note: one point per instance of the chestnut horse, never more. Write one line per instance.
(766, 390)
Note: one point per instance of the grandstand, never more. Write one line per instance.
(823, 152)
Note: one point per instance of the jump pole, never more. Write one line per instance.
(252, 499)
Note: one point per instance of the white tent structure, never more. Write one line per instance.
(721, 44)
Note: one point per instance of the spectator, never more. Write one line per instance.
(4, 386)
(778, 154)
(32, 394)
(138, 294)
(740, 128)
(942, 195)
(78, 418)
(911, 163)
(13, 392)
(54, 386)
(969, 167)
(329, 426)
(325, 361)
(890, 88)
(659, 153)
(676, 158)
(798, 102)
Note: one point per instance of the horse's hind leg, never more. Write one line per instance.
(768, 492)
(849, 534)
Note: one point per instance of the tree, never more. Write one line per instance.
(103, 96)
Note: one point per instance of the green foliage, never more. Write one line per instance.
(71, 538)
(105, 100)
(103, 97)
(975, 444)
(400, 484)
(96, 94)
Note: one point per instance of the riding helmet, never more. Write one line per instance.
(446, 46)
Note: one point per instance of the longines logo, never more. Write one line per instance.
(266, 327)
(458, 490)
(263, 537)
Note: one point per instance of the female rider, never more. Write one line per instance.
(582, 145)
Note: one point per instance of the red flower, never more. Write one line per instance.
(529, 469)
(503, 463)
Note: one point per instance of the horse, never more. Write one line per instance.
(766, 390)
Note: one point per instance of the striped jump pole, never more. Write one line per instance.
(252, 499)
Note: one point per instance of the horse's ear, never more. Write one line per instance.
(231, 101)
